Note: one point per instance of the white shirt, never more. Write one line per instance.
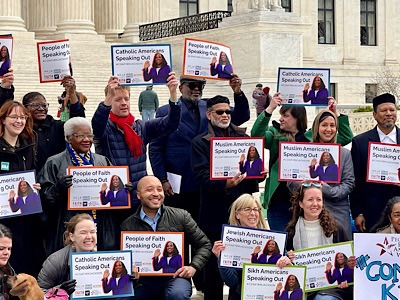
(390, 138)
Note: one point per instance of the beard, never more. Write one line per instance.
(220, 124)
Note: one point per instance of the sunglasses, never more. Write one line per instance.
(193, 85)
(309, 184)
(220, 112)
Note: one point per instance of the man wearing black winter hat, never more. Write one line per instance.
(368, 200)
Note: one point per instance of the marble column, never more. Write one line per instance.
(139, 12)
(109, 18)
(42, 18)
(76, 16)
(351, 30)
(10, 16)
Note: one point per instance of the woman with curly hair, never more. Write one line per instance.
(312, 226)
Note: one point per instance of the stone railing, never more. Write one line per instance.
(178, 26)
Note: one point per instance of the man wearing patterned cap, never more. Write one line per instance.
(368, 200)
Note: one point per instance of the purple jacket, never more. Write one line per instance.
(347, 275)
(295, 295)
(32, 204)
(226, 73)
(123, 287)
(174, 264)
(120, 199)
(161, 77)
(331, 172)
(254, 170)
(4, 67)
(263, 259)
(320, 98)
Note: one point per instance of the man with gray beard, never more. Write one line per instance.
(216, 196)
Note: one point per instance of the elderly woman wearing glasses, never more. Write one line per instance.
(55, 182)
(17, 154)
(312, 226)
(50, 132)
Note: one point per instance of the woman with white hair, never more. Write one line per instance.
(55, 181)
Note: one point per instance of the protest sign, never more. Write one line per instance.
(271, 282)
(154, 253)
(141, 64)
(229, 156)
(101, 274)
(309, 161)
(98, 188)
(54, 60)
(249, 245)
(377, 273)
(304, 86)
(6, 53)
(17, 195)
(327, 266)
(383, 163)
(207, 59)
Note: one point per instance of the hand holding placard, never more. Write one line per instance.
(236, 83)
(275, 102)
(8, 79)
(172, 84)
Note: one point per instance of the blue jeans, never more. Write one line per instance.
(147, 114)
(166, 288)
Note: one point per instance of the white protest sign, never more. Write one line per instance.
(377, 273)
(327, 266)
(154, 253)
(54, 60)
(229, 156)
(98, 188)
(248, 245)
(309, 161)
(141, 64)
(101, 274)
(304, 86)
(383, 163)
(17, 195)
(270, 282)
(207, 59)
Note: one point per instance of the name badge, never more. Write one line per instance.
(5, 166)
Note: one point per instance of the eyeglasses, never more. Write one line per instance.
(309, 184)
(36, 106)
(15, 117)
(83, 136)
(248, 210)
(220, 112)
(193, 85)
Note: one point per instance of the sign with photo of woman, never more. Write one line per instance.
(6, 52)
(309, 161)
(229, 156)
(304, 86)
(18, 195)
(154, 253)
(207, 60)
(141, 64)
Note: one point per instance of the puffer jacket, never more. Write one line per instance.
(175, 220)
(55, 269)
(110, 141)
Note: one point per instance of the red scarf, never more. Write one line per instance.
(133, 141)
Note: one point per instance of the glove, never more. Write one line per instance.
(64, 183)
(68, 286)
(129, 187)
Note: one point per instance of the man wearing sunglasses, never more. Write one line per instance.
(216, 196)
(172, 153)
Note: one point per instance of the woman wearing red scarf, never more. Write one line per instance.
(123, 139)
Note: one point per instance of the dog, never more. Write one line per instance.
(24, 286)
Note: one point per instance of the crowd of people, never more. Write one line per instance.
(312, 213)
